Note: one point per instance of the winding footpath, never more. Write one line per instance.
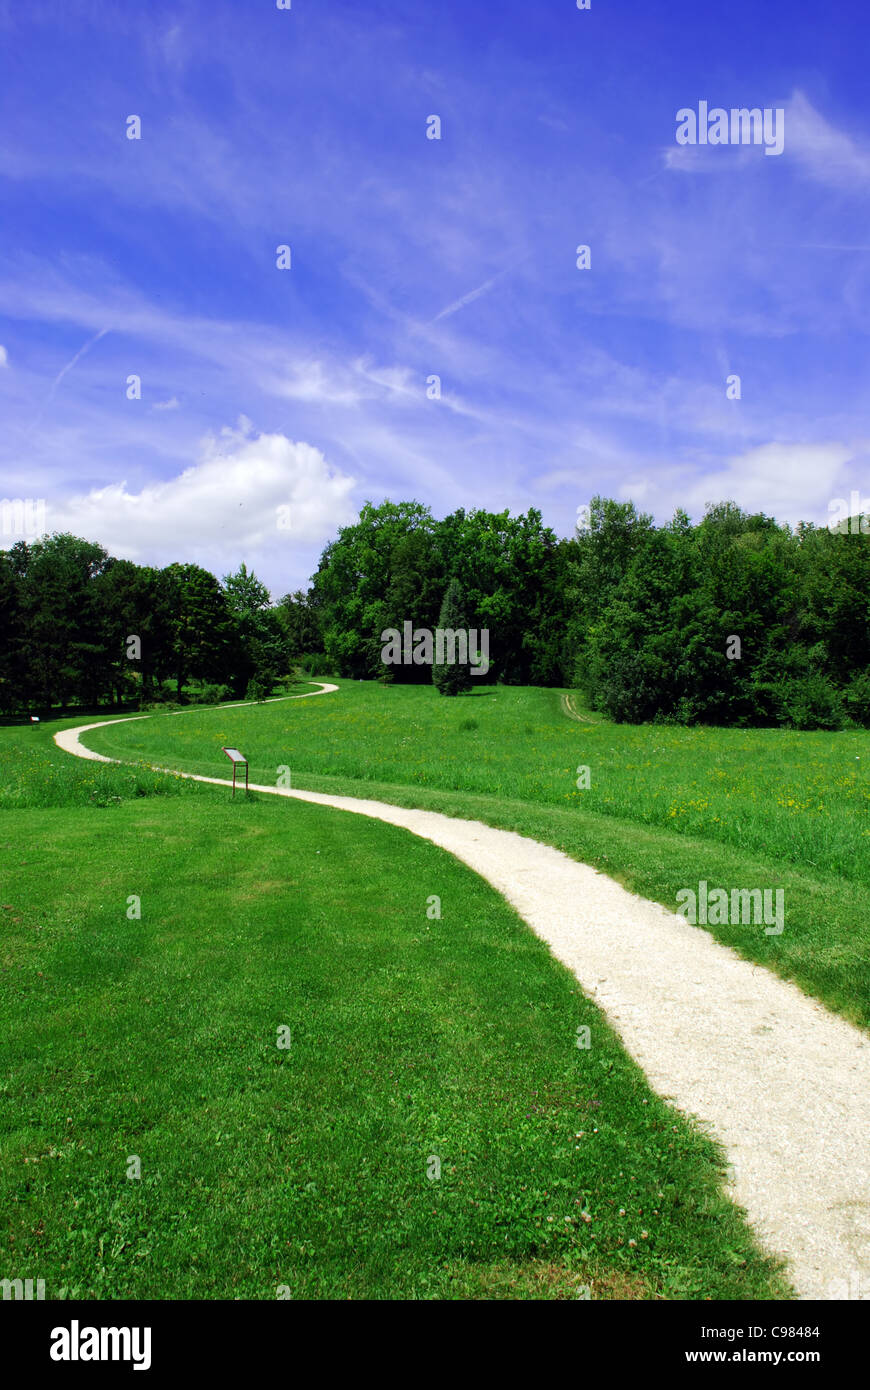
(782, 1083)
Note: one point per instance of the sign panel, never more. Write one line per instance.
(236, 756)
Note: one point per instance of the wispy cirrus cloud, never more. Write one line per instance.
(470, 297)
(415, 258)
(829, 155)
(73, 360)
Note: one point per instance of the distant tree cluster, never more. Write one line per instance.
(78, 627)
(656, 611)
(735, 620)
(395, 565)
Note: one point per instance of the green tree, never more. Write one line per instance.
(453, 678)
(380, 572)
(68, 654)
(128, 602)
(260, 653)
(15, 674)
(202, 636)
(835, 571)
(511, 571)
(299, 617)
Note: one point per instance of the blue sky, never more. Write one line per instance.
(307, 388)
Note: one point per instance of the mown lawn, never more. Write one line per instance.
(411, 1038)
(667, 807)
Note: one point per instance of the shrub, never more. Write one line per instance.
(809, 702)
(256, 690)
(317, 664)
(288, 682)
(856, 698)
(211, 695)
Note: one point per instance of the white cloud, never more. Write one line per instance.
(828, 154)
(401, 381)
(707, 159)
(339, 384)
(4, 356)
(312, 383)
(225, 506)
(171, 404)
(792, 482)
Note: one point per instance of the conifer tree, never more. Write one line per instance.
(453, 678)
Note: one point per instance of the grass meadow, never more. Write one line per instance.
(309, 1167)
(666, 806)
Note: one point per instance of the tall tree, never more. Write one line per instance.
(202, 636)
(128, 600)
(15, 675)
(378, 574)
(260, 653)
(452, 678)
(299, 617)
(68, 657)
(509, 569)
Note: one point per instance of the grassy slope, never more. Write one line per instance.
(307, 1166)
(667, 808)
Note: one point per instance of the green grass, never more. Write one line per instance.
(667, 806)
(35, 775)
(411, 1038)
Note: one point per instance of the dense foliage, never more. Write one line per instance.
(395, 564)
(79, 627)
(735, 620)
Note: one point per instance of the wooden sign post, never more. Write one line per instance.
(236, 758)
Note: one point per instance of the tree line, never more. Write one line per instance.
(79, 627)
(733, 620)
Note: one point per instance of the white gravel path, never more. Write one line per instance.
(780, 1081)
